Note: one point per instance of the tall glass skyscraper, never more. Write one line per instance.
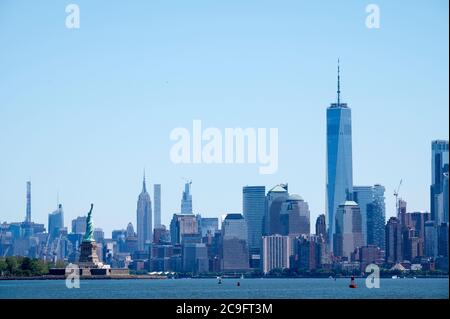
(186, 199)
(55, 222)
(376, 218)
(339, 187)
(157, 204)
(253, 207)
(363, 195)
(439, 175)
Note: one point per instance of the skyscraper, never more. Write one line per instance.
(28, 213)
(439, 170)
(253, 207)
(363, 195)
(394, 243)
(157, 199)
(55, 221)
(99, 235)
(445, 197)
(195, 258)
(431, 239)
(309, 250)
(418, 220)
(161, 235)
(79, 225)
(274, 201)
(321, 227)
(443, 241)
(295, 216)
(130, 230)
(276, 252)
(348, 234)
(234, 243)
(182, 225)
(401, 212)
(439, 203)
(186, 200)
(376, 218)
(144, 218)
(371, 202)
(339, 187)
(208, 225)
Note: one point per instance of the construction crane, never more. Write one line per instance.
(396, 192)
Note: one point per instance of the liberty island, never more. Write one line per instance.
(89, 264)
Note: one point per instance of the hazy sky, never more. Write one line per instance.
(84, 111)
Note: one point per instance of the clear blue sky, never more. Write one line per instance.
(84, 111)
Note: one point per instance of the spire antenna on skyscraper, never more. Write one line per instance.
(144, 188)
(144, 217)
(338, 86)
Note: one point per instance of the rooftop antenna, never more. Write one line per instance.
(338, 86)
(144, 187)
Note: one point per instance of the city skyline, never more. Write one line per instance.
(146, 207)
(187, 202)
(91, 143)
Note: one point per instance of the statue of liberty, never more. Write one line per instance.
(89, 235)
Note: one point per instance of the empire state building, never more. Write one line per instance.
(144, 218)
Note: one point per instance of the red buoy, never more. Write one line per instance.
(352, 283)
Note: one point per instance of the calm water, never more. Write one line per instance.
(208, 288)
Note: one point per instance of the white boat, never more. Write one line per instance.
(394, 277)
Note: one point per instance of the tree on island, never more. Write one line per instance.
(23, 266)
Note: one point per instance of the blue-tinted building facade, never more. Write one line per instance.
(339, 187)
(439, 175)
(253, 207)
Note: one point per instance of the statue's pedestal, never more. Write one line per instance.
(88, 255)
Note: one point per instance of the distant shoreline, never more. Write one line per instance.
(152, 277)
(53, 277)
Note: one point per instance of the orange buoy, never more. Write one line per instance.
(352, 282)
